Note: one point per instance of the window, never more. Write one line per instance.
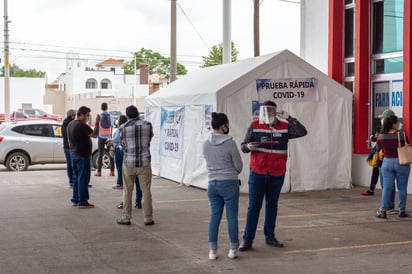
(105, 84)
(20, 114)
(18, 129)
(29, 111)
(57, 131)
(387, 26)
(388, 65)
(91, 84)
(349, 46)
(34, 130)
(39, 112)
(349, 69)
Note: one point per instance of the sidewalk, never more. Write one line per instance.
(324, 232)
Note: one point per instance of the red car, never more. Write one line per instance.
(18, 116)
(40, 114)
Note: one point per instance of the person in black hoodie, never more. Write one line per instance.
(71, 114)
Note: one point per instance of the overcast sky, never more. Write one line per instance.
(42, 31)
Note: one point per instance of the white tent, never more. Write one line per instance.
(320, 160)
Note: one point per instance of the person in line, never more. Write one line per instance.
(391, 169)
(104, 122)
(223, 165)
(70, 116)
(79, 134)
(375, 170)
(118, 159)
(135, 137)
(267, 140)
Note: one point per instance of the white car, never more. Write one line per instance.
(26, 143)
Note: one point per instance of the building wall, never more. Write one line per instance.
(363, 80)
(55, 101)
(314, 33)
(73, 82)
(23, 91)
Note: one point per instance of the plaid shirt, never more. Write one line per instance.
(134, 137)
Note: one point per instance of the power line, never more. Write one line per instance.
(89, 49)
(84, 58)
(190, 21)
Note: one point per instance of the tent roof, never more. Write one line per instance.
(233, 76)
(213, 79)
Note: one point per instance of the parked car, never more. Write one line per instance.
(41, 114)
(18, 116)
(26, 143)
(115, 114)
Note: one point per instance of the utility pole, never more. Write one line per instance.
(173, 64)
(256, 42)
(227, 35)
(6, 65)
(135, 79)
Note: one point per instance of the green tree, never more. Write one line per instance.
(216, 56)
(157, 63)
(15, 71)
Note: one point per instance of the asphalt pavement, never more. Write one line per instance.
(333, 231)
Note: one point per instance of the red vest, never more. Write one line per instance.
(271, 153)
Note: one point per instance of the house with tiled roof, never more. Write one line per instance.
(106, 79)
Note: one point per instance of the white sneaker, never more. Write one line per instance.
(232, 254)
(212, 255)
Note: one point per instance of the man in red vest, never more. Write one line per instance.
(267, 140)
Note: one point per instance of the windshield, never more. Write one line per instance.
(40, 112)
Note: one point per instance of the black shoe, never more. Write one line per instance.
(274, 242)
(149, 223)
(381, 214)
(245, 246)
(403, 214)
(123, 222)
(138, 205)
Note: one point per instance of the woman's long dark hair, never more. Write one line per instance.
(388, 123)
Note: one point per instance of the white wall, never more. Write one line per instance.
(23, 91)
(122, 86)
(314, 33)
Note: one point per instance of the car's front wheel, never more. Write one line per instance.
(105, 160)
(17, 161)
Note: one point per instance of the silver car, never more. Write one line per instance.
(33, 142)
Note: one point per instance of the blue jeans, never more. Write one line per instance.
(81, 175)
(391, 203)
(391, 170)
(118, 157)
(262, 186)
(101, 142)
(223, 193)
(68, 165)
